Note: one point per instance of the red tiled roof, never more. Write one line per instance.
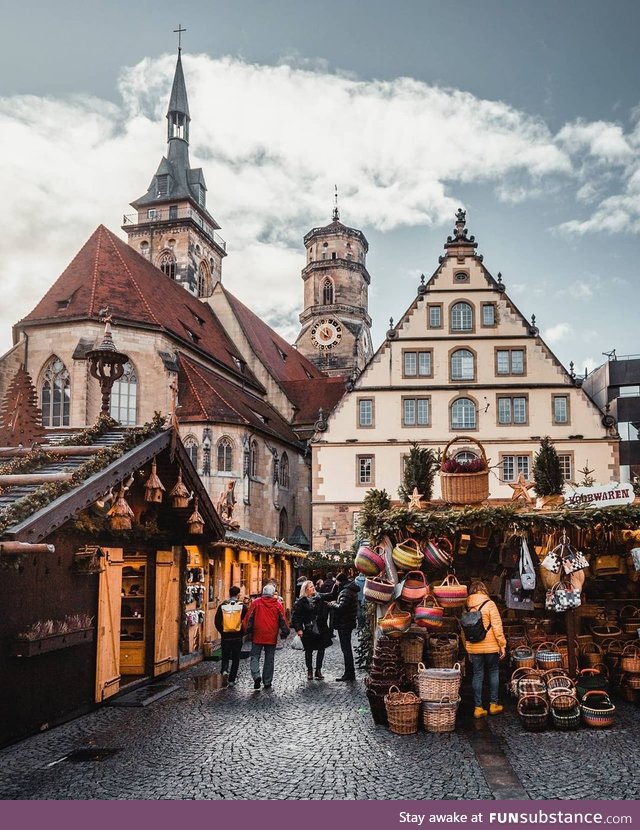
(108, 272)
(312, 395)
(204, 395)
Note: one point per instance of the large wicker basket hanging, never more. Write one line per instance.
(465, 488)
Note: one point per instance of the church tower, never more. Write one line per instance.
(336, 327)
(172, 226)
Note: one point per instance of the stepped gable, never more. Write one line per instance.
(204, 395)
(310, 396)
(108, 272)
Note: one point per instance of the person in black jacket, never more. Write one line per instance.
(311, 622)
(228, 620)
(345, 615)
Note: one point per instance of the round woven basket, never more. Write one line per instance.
(434, 684)
(440, 716)
(630, 661)
(565, 719)
(412, 649)
(597, 710)
(465, 488)
(523, 658)
(533, 711)
(403, 710)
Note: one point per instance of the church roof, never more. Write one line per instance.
(178, 100)
(204, 395)
(108, 272)
(312, 395)
(336, 227)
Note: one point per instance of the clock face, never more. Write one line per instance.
(326, 333)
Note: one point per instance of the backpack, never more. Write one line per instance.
(232, 617)
(472, 625)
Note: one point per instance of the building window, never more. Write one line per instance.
(334, 255)
(464, 456)
(225, 455)
(355, 519)
(566, 466)
(512, 410)
(284, 471)
(144, 249)
(152, 213)
(513, 465)
(461, 276)
(168, 264)
(364, 470)
(205, 284)
(415, 412)
(461, 317)
(463, 414)
(417, 364)
(173, 211)
(283, 526)
(488, 314)
(56, 394)
(327, 292)
(463, 365)
(435, 316)
(510, 361)
(191, 446)
(365, 412)
(163, 185)
(560, 409)
(255, 468)
(124, 397)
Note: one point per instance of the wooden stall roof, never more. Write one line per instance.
(256, 543)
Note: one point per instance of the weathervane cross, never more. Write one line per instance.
(179, 32)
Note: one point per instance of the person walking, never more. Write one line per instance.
(486, 645)
(229, 618)
(264, 621)
(345, 613)
(310, 620)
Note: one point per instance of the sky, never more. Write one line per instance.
(526, 113)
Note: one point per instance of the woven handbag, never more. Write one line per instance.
(429, 614)
(378, 589)
(368, 561)
(394, 623)
(573, 560)
(414, 587)
(609, 564)
(407, 555)
(436, 555)
(450, 593)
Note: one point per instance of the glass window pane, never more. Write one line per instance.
(463, 414)
(523, 465)
(410, 363)
(502, 362)
(565, 466)
(488, 315)
(462, 365)
(424, 365)
(504, 410)
(435, 317)
(365, 413)
(364, 469)
(560, 409)
(423, 411)
(461, 317)
(519, 410)
(517, 362)
(409, 412)
(508, 473)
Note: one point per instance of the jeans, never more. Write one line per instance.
(490, 663)
(231, 653)
(308, 659)
(345, 644)
(254, 662)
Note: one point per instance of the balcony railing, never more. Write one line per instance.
(171, 214)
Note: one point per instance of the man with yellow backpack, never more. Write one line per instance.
(228, 621)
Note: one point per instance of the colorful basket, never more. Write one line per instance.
(591, 680)
(440, 716)
(394, 623)
(434, 684)
(407, 555)
(368, 561)
(562, 693)
(403, 710)
(597, 710)
(435, 555)
(378, 589)
(516, 677)
(450, 593)
(533, 711)
(532, 685)
(429, 614)
(547, 657)
(465, 488)
(565, 719)
(415, 587)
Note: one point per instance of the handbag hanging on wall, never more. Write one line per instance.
(527, 571)
(516, 598)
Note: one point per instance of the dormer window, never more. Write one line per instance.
(163, 185)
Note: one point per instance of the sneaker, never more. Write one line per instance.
(319, 675)
(495, 709)
(479, 712)
(225, 679)
(256, 683)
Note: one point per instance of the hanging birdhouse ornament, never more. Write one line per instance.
(153, 488)
(120, 514)
(195, 524)
(179, 494)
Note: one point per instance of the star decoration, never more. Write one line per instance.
(521, 489)
(415, 500)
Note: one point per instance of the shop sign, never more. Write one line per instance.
(601, 495)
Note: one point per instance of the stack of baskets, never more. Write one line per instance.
(442, 650)
(545, 697)
(439, 690)
(387, 670)
(563, 703)
(403, 711)
(412, 649)
(630, 666)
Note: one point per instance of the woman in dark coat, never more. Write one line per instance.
(311, 621)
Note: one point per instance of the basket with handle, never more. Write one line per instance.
(440, 715)
(630, 619)
(407, 555)
(565, 719)
(414, 588)
(465, 488)
(547, 657)
(369, 561)
(603, 633)
(632, 681)
(403, 710)
(429, 614)
(597, 710)
(523, 657)
(590, 655)
(442, 650)
(436, 555)
(450, 593)
(516, 676)
(590, 680)
(561, 645)
(630, 661)
(562, 693)
(395, 622)
(532, 684)
(434, 683)
(378, 589)
(533, 711)
(613, 653)
(412, 648)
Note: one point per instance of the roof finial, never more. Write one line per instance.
(179, 32)
(336, 212)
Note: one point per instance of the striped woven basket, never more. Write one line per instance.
(368, 561)
(533, 711)
(378, 589)
(517, 676)
(450, 593)
(565, 719)
(597, 710)
(429, 614)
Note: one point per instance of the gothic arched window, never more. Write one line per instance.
(254, 459)
(168, 264)
(284, 471)
(124, 397)
(461, 317)
(191, 446)
(462, 365)
(225, 455)
(327, 292)
(283, 525)
(205, 286)
(463, 414)
(55, 394)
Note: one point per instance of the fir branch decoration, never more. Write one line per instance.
(419, 472)
(547, 473)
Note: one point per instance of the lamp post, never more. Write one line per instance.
(106, 364)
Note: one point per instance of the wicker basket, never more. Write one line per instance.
(394, 623)
(412, 649)
(547, 657)
(429, 614)
(630, 661)
(465, 488)
(450, 593)
(442, 650)
(590, 655)
(630, 619)
(378, 589)
(517, 676)
(565, 719)
(434, 684)
(533, 711)
(562, 693)
(597, 710)
(440, 716)
(523, 658)
(532, 685)
(403, 710)
(604, 633)
(632, 681)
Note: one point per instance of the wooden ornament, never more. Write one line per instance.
(521, 489)
(120, 514)
(195, 523)
(20, 417)
(415, 500)
(180, 495)
(153, 488)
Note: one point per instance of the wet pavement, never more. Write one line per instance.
(309, 740)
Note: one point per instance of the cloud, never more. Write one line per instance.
(561, 331)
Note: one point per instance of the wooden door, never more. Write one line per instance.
(108, 628)
(167, 620)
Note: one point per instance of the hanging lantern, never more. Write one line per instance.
(120, 514)
(153, 488)
(180, 495)
(195, 523)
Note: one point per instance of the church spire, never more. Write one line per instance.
(178, 113)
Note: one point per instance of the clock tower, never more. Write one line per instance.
(335, 331)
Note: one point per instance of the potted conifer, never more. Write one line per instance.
(547, 476)
(419, 474)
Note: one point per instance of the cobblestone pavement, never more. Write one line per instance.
(304, 740)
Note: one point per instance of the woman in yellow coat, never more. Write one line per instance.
(486, 654)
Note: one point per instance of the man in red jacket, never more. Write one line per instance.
(264, 621)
